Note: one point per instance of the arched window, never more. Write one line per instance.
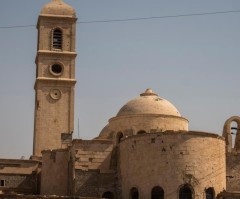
(234, 130)
(209, 193)
(134, 193)
(108, 195)
(231, 133)
(157, 193)
(119, 137)
(57, 39)
(185, 192)
(56, 69)
(141, 132)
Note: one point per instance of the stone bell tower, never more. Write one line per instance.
(55, 77)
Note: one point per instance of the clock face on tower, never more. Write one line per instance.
(55, 94)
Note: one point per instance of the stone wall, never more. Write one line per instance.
(233, 171)
(229, 195)
(93, 183)
(95, 167)
(132, 124)
(19, 176)
(21, 184)
(10, 196)
(55, 172)
(93, 154)
(170, 160)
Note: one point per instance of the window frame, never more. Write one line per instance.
(57, 34)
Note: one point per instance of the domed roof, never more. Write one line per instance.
(148, 103)
(58, 7)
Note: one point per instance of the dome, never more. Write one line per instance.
(148, 103)
(58, 7)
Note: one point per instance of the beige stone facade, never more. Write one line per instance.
(146, 151)
(55, 77)
(170, 160)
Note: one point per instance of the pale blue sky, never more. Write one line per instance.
(191, 61)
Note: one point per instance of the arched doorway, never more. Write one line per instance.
(108, 195)
(157, 193)
(185, 192)
(134, 193)
(209, 193)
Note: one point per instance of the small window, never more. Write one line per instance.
(209, 193)
(157, 193)
(119, 137)
(134, 193)
(2, 183)
(108, 195)
(185, 192)
(56, 69)
(57, 39)
(141, 132)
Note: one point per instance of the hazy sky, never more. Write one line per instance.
(191, 61)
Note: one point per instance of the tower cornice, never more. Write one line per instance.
(55, 53)
(58, 81)
(56, 17)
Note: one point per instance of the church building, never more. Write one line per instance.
(146, 151)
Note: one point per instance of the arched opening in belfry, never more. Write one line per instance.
(157, 193)
(134, 193)
(57, 39)
(231, 133)
(108, 195)
(210, 193)
(185, 192)
(234, 129)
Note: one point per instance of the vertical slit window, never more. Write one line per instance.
(2, 183)
(57, 39)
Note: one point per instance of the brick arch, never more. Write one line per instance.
(228, 136)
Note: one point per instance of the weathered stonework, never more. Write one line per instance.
(10, 196)
(19, 176)
(170, 160)
(233, 171)
(54, 87)
(145, 151)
